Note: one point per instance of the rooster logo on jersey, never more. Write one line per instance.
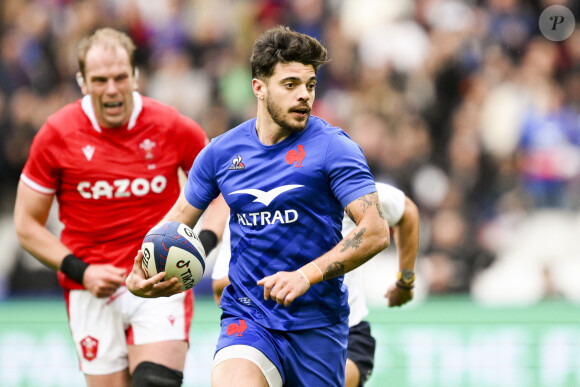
(296, 157)
(237, 329)
(237, 163)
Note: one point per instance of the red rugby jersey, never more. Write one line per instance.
(112, 185)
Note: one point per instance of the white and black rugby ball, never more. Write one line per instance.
(174, 248)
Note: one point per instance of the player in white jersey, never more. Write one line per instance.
(403, 216)
(112, 160)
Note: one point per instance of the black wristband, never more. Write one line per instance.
(401, 285)
(74, 267)
(208, 239)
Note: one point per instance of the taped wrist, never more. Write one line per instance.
(74, 267)
(208, 239)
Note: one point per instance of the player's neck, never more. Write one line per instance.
(269, 132)
(117, 129)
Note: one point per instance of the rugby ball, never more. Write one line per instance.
(174, 248)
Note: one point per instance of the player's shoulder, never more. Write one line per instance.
(235, 135)
(157, 107)
(323, 125)
(324, 129)
(392, 200)
(388, 189)
(157, 111)
(329, 138)
(66, 118)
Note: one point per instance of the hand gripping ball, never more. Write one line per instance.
(174, 248)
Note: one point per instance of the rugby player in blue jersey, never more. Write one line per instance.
(287, 177)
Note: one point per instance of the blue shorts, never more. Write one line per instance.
(311, 357)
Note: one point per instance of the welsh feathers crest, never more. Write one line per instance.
(147, 146)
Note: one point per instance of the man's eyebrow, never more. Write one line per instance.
(291, 78)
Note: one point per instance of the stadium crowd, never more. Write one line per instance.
(462, 104)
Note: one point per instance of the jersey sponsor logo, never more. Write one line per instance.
(90, 347)
(237, 328)
(267, 217)
(89, 151)
(296, 157)
(121, 188)
(266, 197)
(237, 164)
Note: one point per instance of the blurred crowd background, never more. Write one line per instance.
(462, 104)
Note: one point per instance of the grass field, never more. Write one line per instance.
(445, 341)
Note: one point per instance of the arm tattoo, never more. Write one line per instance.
(334, 269)
(380, 210)
(355, 242)
(373, 199)
(367, 201)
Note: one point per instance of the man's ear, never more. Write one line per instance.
(81, 82)
(258, 88)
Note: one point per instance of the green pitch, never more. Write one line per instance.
(446, 341)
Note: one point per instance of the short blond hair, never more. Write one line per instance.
(106, 36)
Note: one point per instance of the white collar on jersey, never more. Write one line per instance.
(89, 111)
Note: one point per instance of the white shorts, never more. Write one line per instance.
(103, 328)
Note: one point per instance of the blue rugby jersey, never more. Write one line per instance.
(286, 208)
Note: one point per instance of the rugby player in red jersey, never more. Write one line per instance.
(111, 159)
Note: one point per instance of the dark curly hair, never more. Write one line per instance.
(282, 45)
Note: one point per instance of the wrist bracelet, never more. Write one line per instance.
(304, 276)
(401, 285)
(321, 273)
(208, 239)
(74, 267)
